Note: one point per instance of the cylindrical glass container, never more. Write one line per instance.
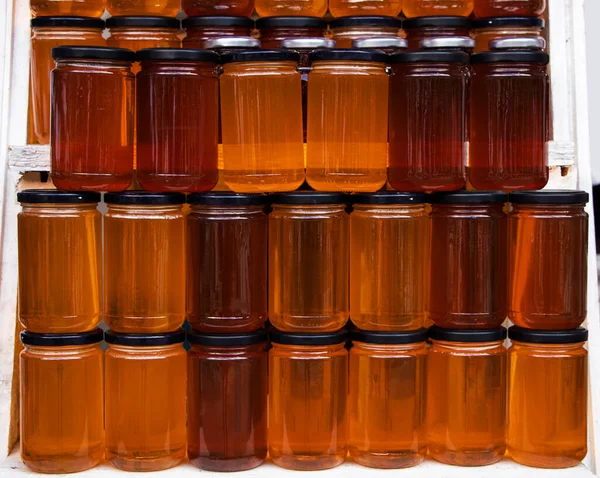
(509, 120)
(167, 8)
(347, 29)
(144, 262)
(70, 8)
(201, 29)
(466, 396)
(91, 144)
(262, 146)
(344, 8)
(60, 254)
(428, 97)
(548, 246)
(308, 389)
(507, 8)
(61, 402)
(429, 8)
(308, 262)
(274, 29)
(227, 262)
(145, 400)
(177, 119)
(469, 254)
(199, 8)
(352, 85)
(389, 261)
(387, 45)
(309, 8)
(47, 33)
(138, 33)
(486, 29)
(386, 403)
(227, 401)
(422, 28)
(547, 397)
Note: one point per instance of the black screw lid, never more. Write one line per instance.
(133, 198)
(227, 199)
(500, 56)
(52, 196)
(389, 197)
(260, 55)
(491, 22)
(391, 338)
(368, 21)
(176, 54)
(469, 197)
(214, 21)
(227, 340)
(291, 22)
(73, 22)
(62, 340)
(467, 335)
(142, 21)
(549, 196)
(144, 340)
(294, 338)
(308, 198)
(430, 56)
(92, 53)
(571, 336)
(348, 55)
(448, 21)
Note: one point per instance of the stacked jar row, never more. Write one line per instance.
(386, 402)
(392, 264)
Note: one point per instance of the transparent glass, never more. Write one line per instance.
(344, 36)
(429, 8)
(469, 254)
(547, 404)
(197, 36)
(236, 8)
(262, 147)
(386, 407)
(466, 402)
(60, 253)
(43, 39)
(414, 36)
(347, 115)
(308, 389)
(92, 144)
(144, 268)
(145, 406)
(389, 266)
(306, 8)
(62, 408)
(270, 38)
(165, 8)
(509, 8)
(227, 407)
(346, 8)
(483, 36)
(66, 8)
(548, 266)
(308, 267)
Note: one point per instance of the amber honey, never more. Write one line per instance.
(429, 8)
(278, 8)
(486, 29)
(71, 8)
(505, 8)
(168, 8)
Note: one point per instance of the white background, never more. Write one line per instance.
(592, 19)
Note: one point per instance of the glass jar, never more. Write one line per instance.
(486, 29)
(308, 389)
(91, 144)
(61, 402)
(274, 8)
(178, 121)
(274, 29)
(262, 147)
(353, 85)
(145, 400)
(308, 262)
(387, 45)
(389, 261)
(69, 8)
(227, 401)
(547, 397)
(422, 28)
(227, 262)
(386, 403)
(428, 98)
(344, 8)
(199, 8)
(168, 8)
(509, 120)
(429, 8)
(347, 29)
(138, 33)
(466, 396)
(469, 254)
(548, 245)
(201, 29)
(504, 8)
(144, 262)
(60, 253)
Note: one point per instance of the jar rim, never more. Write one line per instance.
(177, 54)
(62, 340)
(66, 52)
(308, 198)
(467, 335)
(145, 198)
(144, 340)
(53, 196)
(298, 338)
(343, 54)
(550, 196)
(142, 21)
(73, 22)
(217, 21)
(469, 197)
(437, 21)
(227, 340)
(389, 197)
(571, 336)
(225, 198)
(366, 21)
(389, 338)
(260, 55)
(510, 57)
(291, 22)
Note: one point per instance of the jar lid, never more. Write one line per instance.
(343, 54)
(571, 336)
(308, 198)
(214, 21)
(291, 22)
(379, 43)
(430, 56)
(295, 338)
(133, 198)
(446, 21)
(260, 55)
(469, 197)
(74, 22)
(389, 197)
(92, 53)
(176, 54)
(465, 43)
(499, 56)
(549, 196)
(142, 21)
(391, 338)
(368, 21)
(144, 340)
(307, 43)
(227, 340)
(62, 340)
(491, 22)
(232, 42)
(518, 43)
(226, 198)
(52, 196)
(467, 335)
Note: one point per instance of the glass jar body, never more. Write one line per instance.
(510, 8)
(280, 8)
(236, 8)
(346, 8)
(67, 8)
(166, 8)
(429, 8)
